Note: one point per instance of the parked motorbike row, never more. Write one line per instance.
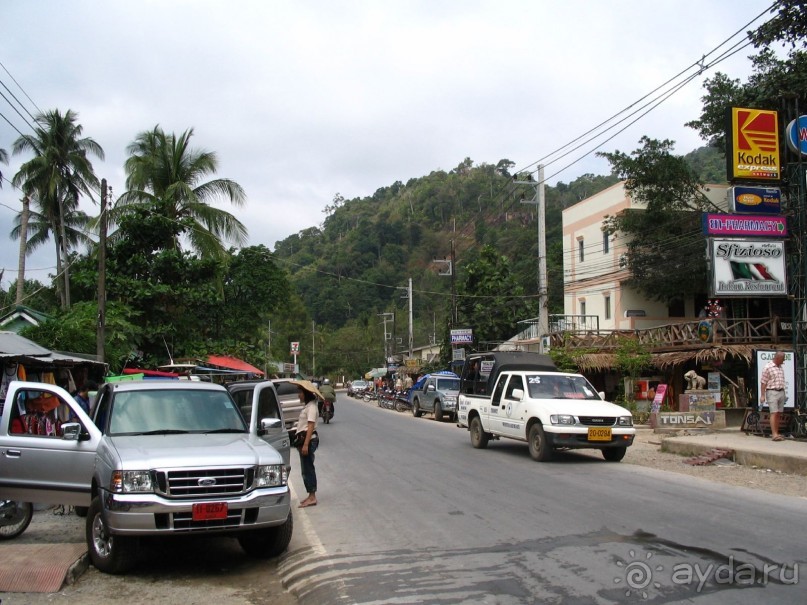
(388, 399)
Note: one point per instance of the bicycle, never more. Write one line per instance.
(798, 424)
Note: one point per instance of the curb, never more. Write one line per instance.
(793, 465)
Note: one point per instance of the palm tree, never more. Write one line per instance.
(54, 179)
(166, 176)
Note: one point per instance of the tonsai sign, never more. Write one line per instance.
(753, 141)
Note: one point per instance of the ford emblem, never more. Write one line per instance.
(206, 482)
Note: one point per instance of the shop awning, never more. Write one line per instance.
(233, 363)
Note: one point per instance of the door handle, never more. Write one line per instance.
(12, 453)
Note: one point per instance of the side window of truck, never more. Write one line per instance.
(516, 382)
(498, 390)
(267, 405)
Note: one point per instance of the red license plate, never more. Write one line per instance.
(207, 511)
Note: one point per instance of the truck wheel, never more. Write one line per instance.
(540, 449)
(416, 411)
(438, 411)
(267, 543)
(479, 438)
(109, 554)
(614, 454)
(16, 523)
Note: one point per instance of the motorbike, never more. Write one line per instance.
(14, 518)
(327, 411)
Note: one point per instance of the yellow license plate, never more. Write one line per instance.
(599, 434)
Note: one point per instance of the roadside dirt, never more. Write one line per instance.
(646, 451)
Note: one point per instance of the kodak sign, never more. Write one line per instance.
(753, 145)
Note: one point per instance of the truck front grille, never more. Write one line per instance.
(205, 483)
(597, 420)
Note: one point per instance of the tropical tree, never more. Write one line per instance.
(54, 179)
(166, 176)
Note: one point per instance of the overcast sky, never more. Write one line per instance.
(303, 100)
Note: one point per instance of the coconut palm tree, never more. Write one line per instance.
(166, 176)
(54, 179)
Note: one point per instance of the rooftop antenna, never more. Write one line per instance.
(167, 350)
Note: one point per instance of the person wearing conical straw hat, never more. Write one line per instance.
(306, 439)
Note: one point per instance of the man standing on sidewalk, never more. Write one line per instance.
(772, 387)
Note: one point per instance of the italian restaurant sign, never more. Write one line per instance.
(744, 225)
(748, 267)
(753, 141)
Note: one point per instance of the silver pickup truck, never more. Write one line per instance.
(438, 394)
(156, 458)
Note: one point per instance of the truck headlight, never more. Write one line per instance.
(130, 482)
(625, 421)
(562, 419)
(270, 475)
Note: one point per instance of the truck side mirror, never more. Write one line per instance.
(270, 423)
(517, 394)
(431, 388)
(71, 431)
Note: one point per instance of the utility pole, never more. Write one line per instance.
(26, 212)
(410, 344)
(543, 302)
(386, 317)
(100, 334)
(313, 348)
(411, 334)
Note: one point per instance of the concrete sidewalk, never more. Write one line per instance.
(788, 456)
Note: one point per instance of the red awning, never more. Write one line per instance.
(150, 372)
(233, 363)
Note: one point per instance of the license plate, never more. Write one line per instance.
(599, 434)
(207, 511)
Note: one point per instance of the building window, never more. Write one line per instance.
(605, 242)
(582, 307)
(580, 249)
(607, 303)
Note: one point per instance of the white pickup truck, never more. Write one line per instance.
(522, 396)
(156, 458)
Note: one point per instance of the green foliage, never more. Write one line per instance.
(490, 300)
(74, 330)
(632, 357)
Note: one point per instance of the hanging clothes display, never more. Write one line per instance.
(9, 374)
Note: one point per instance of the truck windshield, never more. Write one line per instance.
(173, 411)
(448, 384)
(543, 386)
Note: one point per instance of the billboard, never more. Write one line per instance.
(744, 225)
(753, 145)
(748, 267)
(796, 133)
(757, 200)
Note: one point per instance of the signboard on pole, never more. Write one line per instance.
(295, 348)
(744, 225)
(462, 336)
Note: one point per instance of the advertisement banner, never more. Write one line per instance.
(757, 200)
(753, 145)
(744, 225)
(748, 267)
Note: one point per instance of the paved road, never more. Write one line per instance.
(410, 513)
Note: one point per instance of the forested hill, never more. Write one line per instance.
(357, 263)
